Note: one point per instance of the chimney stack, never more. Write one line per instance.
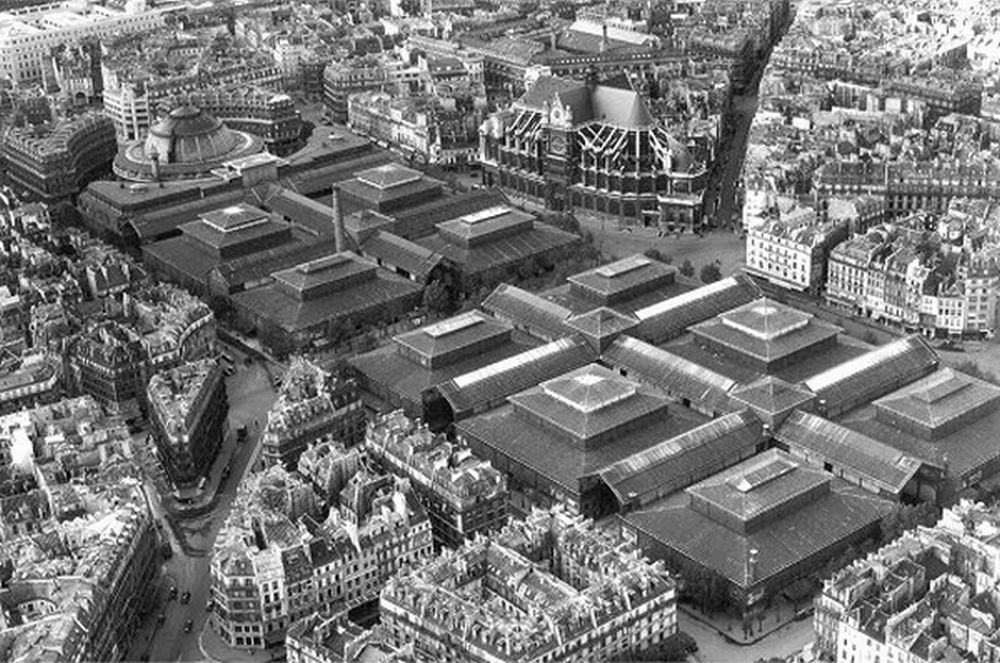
(338, 221)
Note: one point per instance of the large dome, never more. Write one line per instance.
(189, 135)
(186, 144)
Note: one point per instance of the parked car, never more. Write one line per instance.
(188, 625)
(185, 597)
(173, 593)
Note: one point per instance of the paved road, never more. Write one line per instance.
(250, 396)
(713, 648)
(744, 108)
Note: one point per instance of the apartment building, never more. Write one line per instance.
(462, 494)
(311, 404)
(791, 251)
(266, 575)
(188, 408)
(600, 599)
(28, 35)
(924, 597)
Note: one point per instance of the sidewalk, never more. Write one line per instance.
(214, 649)
(768, 622)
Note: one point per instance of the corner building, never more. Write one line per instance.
(596, 600)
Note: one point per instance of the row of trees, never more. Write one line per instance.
(709, 273)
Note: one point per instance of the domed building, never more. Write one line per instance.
(186, 144)
(576, 145)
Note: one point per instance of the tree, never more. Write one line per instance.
(870, 338)
(970, 367)
(687, 269)
(439, 296)
(222, 308)
(906, 518)
(63, 215)
(653, 254)
(710, 273)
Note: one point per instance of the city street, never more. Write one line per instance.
(713, 648)
(250, 396)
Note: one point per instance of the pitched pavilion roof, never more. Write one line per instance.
(874, 373)
(474, 389)
(820, 440)
(940, 398)
(681, 460)
(670, 372)
(588, 402)
(772, 394)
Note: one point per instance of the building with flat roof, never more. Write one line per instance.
(457, 605)
(324, 301)
(554, 439)
(403, 373)
(737, 524)
(187, 413)
(312, 405)
(463, 495)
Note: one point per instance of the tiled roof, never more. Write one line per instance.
(402, 253)
(668, 318)
(780, 544)
(672, 373)
(454, 333)
(765, 330)
(820, 440)
(874, 373)
(534, 445)
(276, 306)
(401, 375)
(680, 461)
(772, 395)
(589, 402)
(942, 398)
(503, 252)
(528, 310)
(621, 276)
(472, 390)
